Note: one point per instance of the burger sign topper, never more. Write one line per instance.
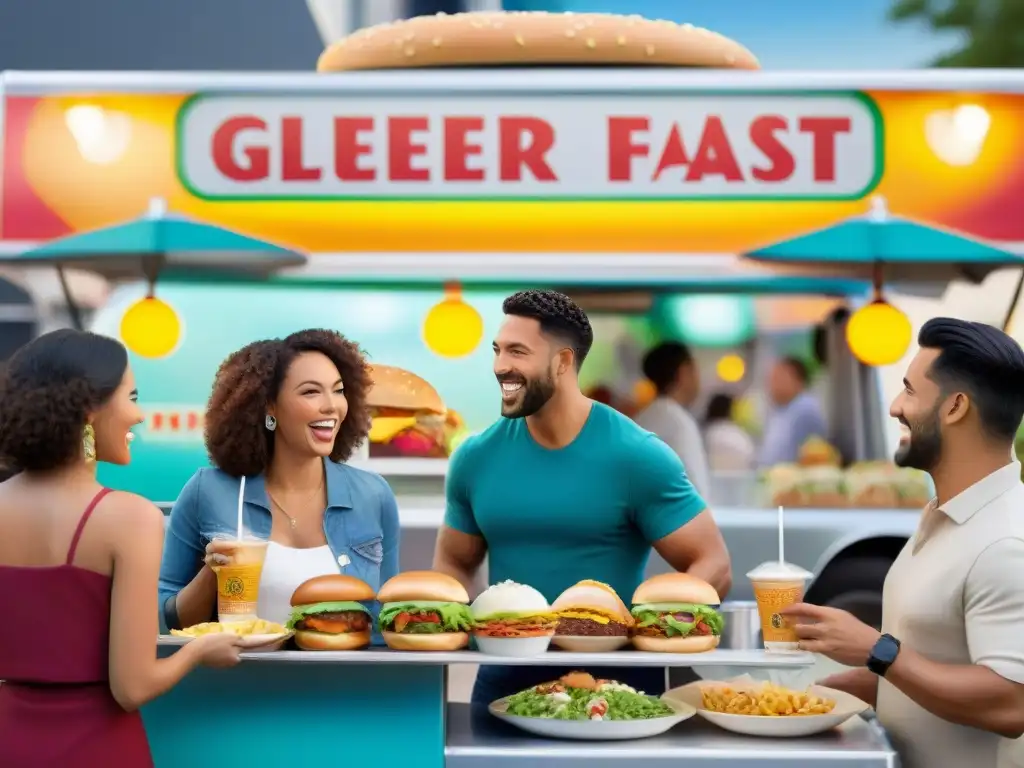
(456, 139)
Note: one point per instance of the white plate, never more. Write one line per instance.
(251, 643)
(847, 706)
(595, 730)
(591, 644)
(519, 647)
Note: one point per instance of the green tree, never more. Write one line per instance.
(992, 30)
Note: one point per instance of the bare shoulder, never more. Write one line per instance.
(130, 513)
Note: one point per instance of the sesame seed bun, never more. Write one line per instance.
(422, 585)
(676, 588)
(531, 38)
(395, 389)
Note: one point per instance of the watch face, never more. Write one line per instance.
(886, 650)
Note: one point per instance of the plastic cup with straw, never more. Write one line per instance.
(238, 582)
(777, 585)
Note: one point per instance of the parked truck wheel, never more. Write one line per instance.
(853, 584)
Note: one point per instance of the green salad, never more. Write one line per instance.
(603, 700)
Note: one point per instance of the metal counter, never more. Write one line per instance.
(478, 740)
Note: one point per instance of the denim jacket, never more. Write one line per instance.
(360, 524)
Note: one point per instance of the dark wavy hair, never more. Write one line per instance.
(47, 391)
(250, 379)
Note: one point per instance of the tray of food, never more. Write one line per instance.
(765, 709)
(578, 706)
(254, 634)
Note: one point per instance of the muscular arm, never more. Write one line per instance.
(460, 547)
(459, 555)
(673, 516)
(697, 548)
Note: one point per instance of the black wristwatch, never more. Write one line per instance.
(883, 655)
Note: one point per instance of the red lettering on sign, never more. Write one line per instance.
(402, 148)
(223, 145)
(781, 163)
(158, 421)
(621, 147)
(348, 149)
(714, 156)
(673, 154)
(517, 154)
(824, 131)
(458, 148)
(175, 421)
(193, 421)
(292, 166)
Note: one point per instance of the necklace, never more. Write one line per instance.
(291, 519)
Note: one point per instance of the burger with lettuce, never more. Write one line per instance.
(328, 613)
(676, 613)
(424, 611)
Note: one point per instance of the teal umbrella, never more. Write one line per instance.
(880, 245)
(157, 244)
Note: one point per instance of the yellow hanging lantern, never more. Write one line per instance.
(731, 368)
(151, 328)
(452, 328)
(878, 333)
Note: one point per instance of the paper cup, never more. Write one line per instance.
(238, 582)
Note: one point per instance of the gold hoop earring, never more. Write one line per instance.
(89, 443)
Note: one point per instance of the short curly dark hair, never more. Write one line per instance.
(558, 316)
(48, 389)
(237, 439)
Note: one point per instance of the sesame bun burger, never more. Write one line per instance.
(676, 613)
(424, 611)
(591, 617)
(408, 416)
(533, 38)
(511, 619)
(328, 614)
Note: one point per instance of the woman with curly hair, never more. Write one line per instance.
(283, 414)
(73, 548)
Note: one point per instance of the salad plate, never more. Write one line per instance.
(600, 711)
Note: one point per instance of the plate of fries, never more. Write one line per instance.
(254, 634)
(764, 709)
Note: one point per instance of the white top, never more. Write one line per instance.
(678, 429)
(954, 595)
(283, 570)
(730, 447)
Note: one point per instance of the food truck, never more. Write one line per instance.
(426, 189)
(618, 186)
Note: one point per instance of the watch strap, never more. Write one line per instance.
(883, 655)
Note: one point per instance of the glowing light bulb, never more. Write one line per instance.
(879, 334)
(731, 368)
(452, 328)
(151, 328)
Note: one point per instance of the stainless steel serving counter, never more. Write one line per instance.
(476, 740)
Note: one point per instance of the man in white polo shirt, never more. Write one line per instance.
(946, 675)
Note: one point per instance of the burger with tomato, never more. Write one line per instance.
(409, 419)
(424, 611)
(328, 614)
(676, 613)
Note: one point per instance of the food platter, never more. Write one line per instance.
(785, 726)
(595, 730)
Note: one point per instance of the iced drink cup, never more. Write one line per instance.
(778, 586)
(238, 582)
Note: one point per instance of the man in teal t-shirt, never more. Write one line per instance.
(564, 489)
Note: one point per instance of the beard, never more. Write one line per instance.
(532, 397)
(923, 448)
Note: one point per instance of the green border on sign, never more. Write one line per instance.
(863, 98)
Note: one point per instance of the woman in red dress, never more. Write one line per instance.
(78, 565)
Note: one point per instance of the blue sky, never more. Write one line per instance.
(799, 34)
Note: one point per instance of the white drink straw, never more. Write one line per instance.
(782, 537)
(241, 502)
